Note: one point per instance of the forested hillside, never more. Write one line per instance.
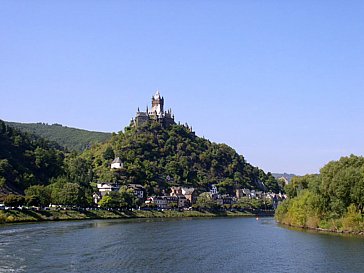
(71, 138)
(158, 158)
(41, 169)
(26, 159)
(153, 156)
(333, 199)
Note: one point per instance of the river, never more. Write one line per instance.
(175, 245)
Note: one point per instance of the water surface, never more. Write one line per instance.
(175, 245)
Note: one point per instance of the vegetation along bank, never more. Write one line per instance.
(330, 201)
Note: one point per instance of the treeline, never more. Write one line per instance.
(70, 138)
(41, 169)
(158, 158)
(153, 156)
(331, 200)
(26, 159)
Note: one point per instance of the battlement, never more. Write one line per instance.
(156, 113)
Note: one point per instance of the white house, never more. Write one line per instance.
(104, 188)
(117, 164)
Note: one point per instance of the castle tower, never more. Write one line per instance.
(156, 113)
(157, 104)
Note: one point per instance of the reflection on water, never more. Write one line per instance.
(174, 245)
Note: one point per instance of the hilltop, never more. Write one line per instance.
(287, 176)
(71, 138)
(156, 152)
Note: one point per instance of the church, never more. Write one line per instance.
(156, 113)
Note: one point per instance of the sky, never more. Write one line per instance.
(282, 82)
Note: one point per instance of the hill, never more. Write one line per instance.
(287, 176)
(159, 157)
(155, 156)
(71, 138)
(26, 159)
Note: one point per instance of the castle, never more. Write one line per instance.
(157, 113)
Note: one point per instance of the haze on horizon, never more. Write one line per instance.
(280, 81)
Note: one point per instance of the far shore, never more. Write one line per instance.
(19, 216)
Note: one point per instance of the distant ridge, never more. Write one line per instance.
(285, 175)
(71, 138)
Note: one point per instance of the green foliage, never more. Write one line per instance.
(41, 193)
(123, 199)
(353, 219)
(333, 199)
(68, 194)
(205, 202)
(78, 170)
(107, 202)
(32, 200)
(13, 200)
(26, 159)
(70, 138)
(151, 153)
(109, 153)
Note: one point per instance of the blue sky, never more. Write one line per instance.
(282, 82)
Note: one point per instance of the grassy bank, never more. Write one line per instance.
(16, 216)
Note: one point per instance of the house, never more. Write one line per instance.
(182, 200)
(159, 201)
(190, 194)
(224, 199)
(139, 190)
(117, 163)
(104, 188)
(176, 191)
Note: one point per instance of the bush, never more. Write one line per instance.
(352, 220)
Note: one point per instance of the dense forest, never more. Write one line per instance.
(39, 168)
(26, 159)
(157, 158)
(71, 138)
(153, 156)
(333, 199)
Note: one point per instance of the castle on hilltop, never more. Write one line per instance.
(157, 113)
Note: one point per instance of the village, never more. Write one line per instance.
(186, 198)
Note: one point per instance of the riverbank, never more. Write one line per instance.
(18, 216)
(322, 230)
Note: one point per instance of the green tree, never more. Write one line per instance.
(109, 153)
(42, 193)
(12, 200)
(72, 194)
(32, 200)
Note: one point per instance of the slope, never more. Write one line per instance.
(71, 138)
(158, 158)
